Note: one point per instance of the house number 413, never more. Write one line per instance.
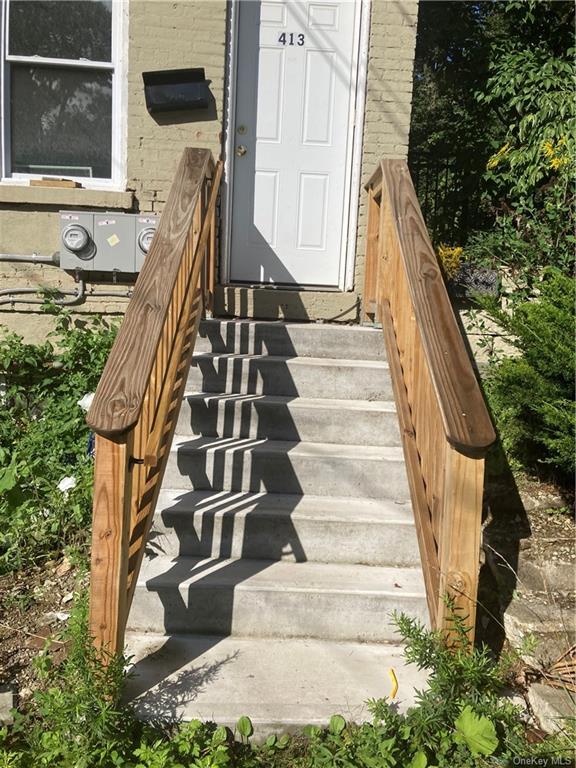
(291, 39)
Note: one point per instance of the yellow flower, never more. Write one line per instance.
(548, 148)
(556, 154)
(450, 258)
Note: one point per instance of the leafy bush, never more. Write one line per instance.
(460, 721)
(44, 438)
(494, 94)
(532, 395)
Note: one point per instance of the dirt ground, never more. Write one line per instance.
(34, 606)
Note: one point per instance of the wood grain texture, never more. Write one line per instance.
(200, 236)
(426, 543)
(459, 539)
(110, 535)
(465, 418)
(137, 401)
(371, 258)
(120, 392)
(147, 504)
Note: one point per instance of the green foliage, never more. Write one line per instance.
(507, 70)
(494, 94)
(451, 65)
(44, 438)
(529, 180)
(532, 395)
(78, 721)
(478, 733)
(450, 137)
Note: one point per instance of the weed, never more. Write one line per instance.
(45, 469)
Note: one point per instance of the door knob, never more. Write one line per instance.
(241, 150)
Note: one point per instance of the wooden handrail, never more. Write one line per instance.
(120, 392)
(445, 425)
(466, 421)
(135, 409)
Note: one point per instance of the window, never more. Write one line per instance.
(61, 89)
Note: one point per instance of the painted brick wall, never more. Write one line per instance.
(388, 97)
(161, 35)
(171, 35)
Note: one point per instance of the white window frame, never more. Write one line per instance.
(117, 66)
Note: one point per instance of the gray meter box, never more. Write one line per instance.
(105, 242)
(145, 229)
(114, 240)
(77, 248)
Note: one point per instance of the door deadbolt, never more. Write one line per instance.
(241, 150)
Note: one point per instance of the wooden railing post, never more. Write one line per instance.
(371, 258)
(459, 539)
(110, 535)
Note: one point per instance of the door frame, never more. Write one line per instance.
(353, 149)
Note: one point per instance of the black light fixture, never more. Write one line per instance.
(176, 90)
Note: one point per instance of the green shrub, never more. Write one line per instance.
(44, 438)
(532, 395)
(78, 721)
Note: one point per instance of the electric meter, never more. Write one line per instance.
(145, 238)
(76, 238)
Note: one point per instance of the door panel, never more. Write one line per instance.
(294, 93)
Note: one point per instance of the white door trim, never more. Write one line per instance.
(353, 153)
(357, 137)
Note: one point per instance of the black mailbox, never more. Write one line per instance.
(176, 90)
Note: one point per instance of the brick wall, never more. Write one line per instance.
(388, 97)
(171, 35)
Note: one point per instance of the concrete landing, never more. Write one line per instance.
(280, 684)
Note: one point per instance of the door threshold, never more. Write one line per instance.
(282, 287)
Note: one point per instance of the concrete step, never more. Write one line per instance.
(281, 685)
(313, 377)
(291, 339)
(269, 526)
(289, 418)
(321, 469)
(262, 598)
(548, 622)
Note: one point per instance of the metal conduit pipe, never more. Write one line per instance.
(31, 258)
(78, 296)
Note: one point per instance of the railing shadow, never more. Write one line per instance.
(222, 526)
(506, 524)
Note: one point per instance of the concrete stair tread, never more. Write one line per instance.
(279, 576)
(277, 526)
(324, 377)
(280, 684)
(288, 447)
(326, 508)
(303, 339)
(291, 401)
(283, 538)
(321, 362)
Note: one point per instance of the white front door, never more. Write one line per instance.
(292, 141)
